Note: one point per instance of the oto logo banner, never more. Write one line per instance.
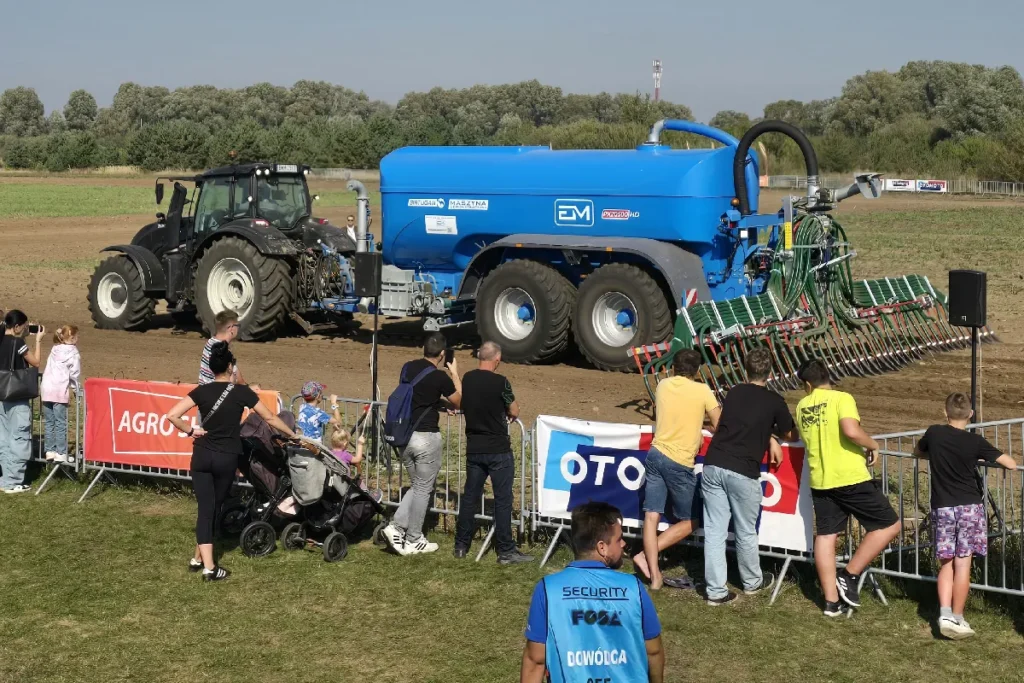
(125, 423)
(580, 461)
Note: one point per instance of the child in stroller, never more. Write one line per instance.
(331, 499)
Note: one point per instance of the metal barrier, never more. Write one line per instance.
(383, 469)
(560, 526)
(906, 480)
(75, 424)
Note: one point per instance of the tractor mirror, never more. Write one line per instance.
(159, 194)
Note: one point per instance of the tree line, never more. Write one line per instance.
(935, 118)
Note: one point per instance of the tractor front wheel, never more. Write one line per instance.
(234, 275)
(619, 306)
(117, 299)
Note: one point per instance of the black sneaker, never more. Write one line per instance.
(514, 557)
(460, 552)
(715, 602)
(767, 579)
(218, 574)
(194, 567)
(847, 585)
(836, 609)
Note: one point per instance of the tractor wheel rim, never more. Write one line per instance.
(614, 319)
(515, 314)
(112, 295)
(230, 287)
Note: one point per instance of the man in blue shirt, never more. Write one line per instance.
(589, 623)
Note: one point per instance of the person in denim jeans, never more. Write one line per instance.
(681, 404)
(422, 455)
(16, 415)
(752, 416)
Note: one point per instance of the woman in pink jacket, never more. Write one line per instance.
(63, 368)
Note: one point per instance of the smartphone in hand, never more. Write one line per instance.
(35, 329)
(449, 356)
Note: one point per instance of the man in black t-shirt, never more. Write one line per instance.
(489, 405)
(422, 455)
(752, 416)
(959, 521)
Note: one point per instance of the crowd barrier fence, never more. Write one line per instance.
(903, 477)
(384, 469)
(75, 424)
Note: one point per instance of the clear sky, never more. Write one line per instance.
(738, 54)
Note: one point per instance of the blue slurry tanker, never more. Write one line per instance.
(631, 254)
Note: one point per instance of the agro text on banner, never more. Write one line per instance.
(125, 423)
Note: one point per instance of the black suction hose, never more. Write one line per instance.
(739, 163)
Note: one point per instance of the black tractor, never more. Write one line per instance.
(243, 239)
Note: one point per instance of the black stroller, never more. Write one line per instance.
(264, 465)
(333, 505)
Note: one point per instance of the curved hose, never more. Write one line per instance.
(739, 163)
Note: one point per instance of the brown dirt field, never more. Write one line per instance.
(47, 264)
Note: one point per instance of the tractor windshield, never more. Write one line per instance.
(282, 200)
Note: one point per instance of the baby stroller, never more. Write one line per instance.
(333, 505)
(264, 465)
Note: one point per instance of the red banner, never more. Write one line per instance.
(125, 423)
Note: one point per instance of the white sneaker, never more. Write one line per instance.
(61, 458)
(51, 455)
(420, 547)
(20, 488)
(953, 629)
(394, 538)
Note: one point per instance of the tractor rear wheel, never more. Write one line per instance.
(525, 306)
(117, 299)
(234, 275)
(619, 306)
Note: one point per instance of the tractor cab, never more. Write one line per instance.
(260, 195)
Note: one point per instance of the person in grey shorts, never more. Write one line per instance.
(422, 455)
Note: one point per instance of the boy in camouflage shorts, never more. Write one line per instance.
(959, 520)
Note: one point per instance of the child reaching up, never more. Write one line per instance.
(63, 369)
(959, 521)
(340, 441)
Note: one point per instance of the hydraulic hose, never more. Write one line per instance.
(739, 163)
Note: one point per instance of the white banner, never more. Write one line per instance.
(937, 186)
(900, 185)
(580, 461)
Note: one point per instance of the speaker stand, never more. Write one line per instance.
(974, 374)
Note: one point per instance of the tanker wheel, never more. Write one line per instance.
(526, 306)
(234, 275)
(116, 297)
(618, 307)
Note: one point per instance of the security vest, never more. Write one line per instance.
(595, 627)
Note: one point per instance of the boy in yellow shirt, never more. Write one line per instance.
(838, 453)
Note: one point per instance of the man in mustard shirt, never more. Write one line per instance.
(681, 404)
(839, 452)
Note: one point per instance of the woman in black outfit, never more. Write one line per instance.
(217, 447)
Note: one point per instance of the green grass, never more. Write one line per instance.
(52, 200)
(933, 242)
(98, 592)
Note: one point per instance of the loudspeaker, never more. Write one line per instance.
(968, 293)
(368, 266)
